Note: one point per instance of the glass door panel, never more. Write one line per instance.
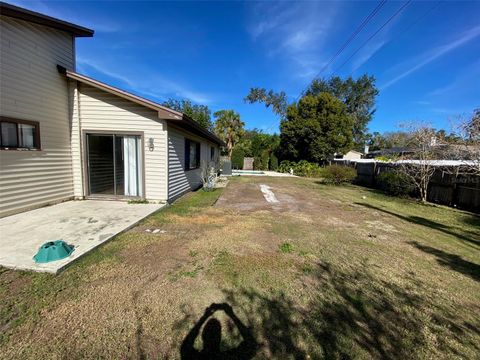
(114, 165)
(100, 164)
(119, 166)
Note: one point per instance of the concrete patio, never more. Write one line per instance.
(83, 224)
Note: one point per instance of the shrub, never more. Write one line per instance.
(285, 166)
(237, 158)
(395, 183)
(273, 162)
(261, 162)
(302, 168)
(336, 174)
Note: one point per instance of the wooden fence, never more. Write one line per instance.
(461, 191)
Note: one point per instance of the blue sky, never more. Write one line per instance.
(426, 61)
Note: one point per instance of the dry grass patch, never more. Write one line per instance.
(363, 278)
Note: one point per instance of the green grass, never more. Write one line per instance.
(286, 248)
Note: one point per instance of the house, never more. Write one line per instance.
(391, 152)
(67, 136)
(352, 155)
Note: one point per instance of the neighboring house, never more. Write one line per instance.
(352, 155)
(391, 152)
(66, 136)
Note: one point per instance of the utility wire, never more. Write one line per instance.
(400, 9)
(415, 22)
(352, 36)
(349, 40)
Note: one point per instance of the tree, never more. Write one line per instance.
(357, 95)
(278, 101)
(200, 113)
(419, 165)
(315, 128)
(465, 146)
(229, 127)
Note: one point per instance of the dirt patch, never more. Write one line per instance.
(314, 275)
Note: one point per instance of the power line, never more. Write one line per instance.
(352, 36)
(400, 9)
(350, 39)
(415, 22)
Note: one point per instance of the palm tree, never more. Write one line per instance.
(229, 128)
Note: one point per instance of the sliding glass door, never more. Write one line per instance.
(114, 165)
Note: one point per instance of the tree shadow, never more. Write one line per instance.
(449, 230)
(452, 261)
(350, 314)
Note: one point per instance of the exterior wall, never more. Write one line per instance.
(352, 155)
(97, 110)
(181, 181)
(32, 89)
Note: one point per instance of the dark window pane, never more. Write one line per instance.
(9, 134)
(193, 155)
(27, 136)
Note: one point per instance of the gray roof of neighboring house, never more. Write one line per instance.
(37, 18)
(177, 118)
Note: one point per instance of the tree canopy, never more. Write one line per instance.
(200, 113)
(229, 127)
(357, 95)
(315, 128)
(277, 101)
(261, 146)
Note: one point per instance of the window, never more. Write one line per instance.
(192, 154)
(19, 134)
(212, 153)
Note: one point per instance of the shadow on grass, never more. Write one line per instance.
(461, 234)
(350, 314)
(452, 261)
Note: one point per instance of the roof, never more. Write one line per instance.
(179, 119)
(417, 162)
(37, 18)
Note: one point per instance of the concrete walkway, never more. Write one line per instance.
(83, 224)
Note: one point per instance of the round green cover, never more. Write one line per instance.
(53, 250)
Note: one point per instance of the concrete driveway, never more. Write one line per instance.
(83, 224)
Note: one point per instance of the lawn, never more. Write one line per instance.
(328, 272)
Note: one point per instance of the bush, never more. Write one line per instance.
(395, 183)
(336, 174)
(273, 162)
(237, 158)
(302, 168)
(261, 162)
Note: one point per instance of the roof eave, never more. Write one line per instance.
(164, 112)
(41, 19)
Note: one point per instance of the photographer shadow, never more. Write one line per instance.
(212, 336)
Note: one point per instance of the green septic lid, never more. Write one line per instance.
(53, 250)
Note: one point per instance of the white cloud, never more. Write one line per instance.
(294, 32)
(367, 53)
(431, 55)
(144, 81)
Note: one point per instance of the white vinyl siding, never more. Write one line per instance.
(32, 89)
(98, 110)
(180, 180)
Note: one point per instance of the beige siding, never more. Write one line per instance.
(102, 111)
(179, 180)
(32, 89)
